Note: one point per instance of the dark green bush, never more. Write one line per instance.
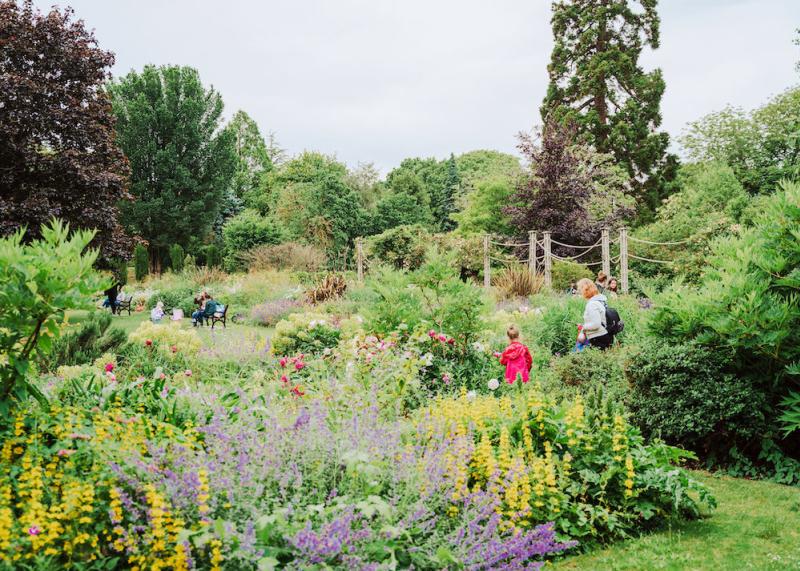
(176, 256)
(246, 231)
(402, 248)
(141, 262)
(85, 342)
(213, 257)
(684, 394)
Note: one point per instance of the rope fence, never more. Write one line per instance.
(540, 255)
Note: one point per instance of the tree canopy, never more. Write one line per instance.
(597, 84)
(58, 153)
(182, 162)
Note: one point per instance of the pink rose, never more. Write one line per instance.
(431, 333)
(284, 378)
(299, 365)
(442, 337)
(109, 367)
(283, 361)
(65, 452)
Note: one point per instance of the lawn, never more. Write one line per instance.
(756, 526)
(236, 339)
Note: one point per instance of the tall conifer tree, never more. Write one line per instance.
(597, 84)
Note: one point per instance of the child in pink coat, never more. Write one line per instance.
(516, 357)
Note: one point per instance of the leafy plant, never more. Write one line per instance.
(176, 255)
(141, 262)
(518, 281)
(85, 342)
(402, 247)
(39, 281)
(564, 274)
(305, 333)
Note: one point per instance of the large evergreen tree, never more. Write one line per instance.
(58, 154)
(597, 84)
(168, 125)
(443, 197)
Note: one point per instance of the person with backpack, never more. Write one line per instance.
(600, 322)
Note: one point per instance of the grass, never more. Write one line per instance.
(233, 339)
(756, 526)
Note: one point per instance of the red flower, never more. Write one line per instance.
(299, 365)
(283, 361)
(296, 391)
(109, 367)
(451, 341)
(431, 333)
(174, 348)
(148, 342)
(284, 378)
(442, 337)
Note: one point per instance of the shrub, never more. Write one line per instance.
(176, 255)
(402, 248)
(85, 342)
(286, 256)
(582, 372)
(466, 253)
(332, 286)
(564, 274)
(141, 262)
(305, 333)
(121, 271)
(683, 394)
(518, 281)
(169, 338)
(181, 297)
(213, 258)
(244, 232)
(270, 313)
(39, 282)
(747, 302)
(577, 458)
(189, 262)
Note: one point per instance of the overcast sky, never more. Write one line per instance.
(380, 80)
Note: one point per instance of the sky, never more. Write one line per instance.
(381, 80)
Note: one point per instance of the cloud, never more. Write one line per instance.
(384, 80)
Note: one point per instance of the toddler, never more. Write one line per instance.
(516, 357)
(157, 313)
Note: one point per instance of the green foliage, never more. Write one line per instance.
(603, 90)
(306, 333)
(141, 262)
(121, 272)
(683, 393)
(399, 209)
(246, 231)
(168, 125)
(443, 197)
(710, 204)
(761, 146)
(176, 257)
(567, 273)
(189, 262)
(39, 281)
(213, 257)
(252, 158)
(85, 342)
(310, 199)
(403, 247)
(483, 212)
(476, 167)
(580, 373)
(180, 296)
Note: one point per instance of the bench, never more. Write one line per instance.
(123, 305)
(219, 317)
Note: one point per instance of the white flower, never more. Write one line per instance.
(312, 324)
(478, 346)
(402, 326)
(327, 351)
(427, 359)
(494, 384)
(471, 395)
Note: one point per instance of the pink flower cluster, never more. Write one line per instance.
(298, 362)
(299, 365)
(441, 337)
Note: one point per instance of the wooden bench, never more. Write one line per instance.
(219, 317)
(124, 305)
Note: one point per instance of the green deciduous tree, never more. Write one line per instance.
(477, 166)
(483, 211)
(58, 154)
(182, 163)
(596, 83)
(39, 281)
(398, 209)
(762, 146)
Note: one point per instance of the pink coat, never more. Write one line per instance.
(518, 361)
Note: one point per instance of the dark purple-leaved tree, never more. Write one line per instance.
(569, 189)
(58, 155)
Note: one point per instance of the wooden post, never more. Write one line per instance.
(606, 249)
(548, 261)
(532, 252)
(487, 267)
(360, 259)
(623, 259)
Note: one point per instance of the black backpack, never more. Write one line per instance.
(614, 324)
